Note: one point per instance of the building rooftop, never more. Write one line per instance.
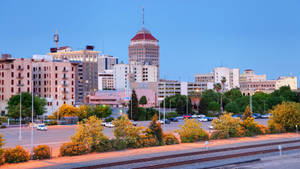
(143, 34)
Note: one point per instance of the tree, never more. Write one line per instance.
(247, 113)
(285, 117)
(191, 131)
(213, 106)
(155, 130)
(100, 111)
(223, 81)
(90, 133)
(133, 111)
(286, 93)
(232, 107)
(143, 100)
(14, 106)
(203, 106)
(66, 111)
(83, 112)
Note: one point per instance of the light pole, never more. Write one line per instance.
(250, 99)
(20, 119)
(187, 103)
(165, 106)
(32, 112)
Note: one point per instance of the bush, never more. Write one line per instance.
(126, 131)
(73, 149)
(104, 145)
(147, 141)
(51, 123)
(1, 141)
(250, 128)
(285, 117)
(226, 126)
(118, 144)
(41, 152)
(110, 119)
(169, 139)
(155, 130)
(90, 134)
(3, 127)
(191, 131)
(16, 155)
(2, 158)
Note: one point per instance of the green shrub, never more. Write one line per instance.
(3, 119)
(169, 139)
(285, 117)
(191, 131)
(226, 126)
(16, 155)
(118, 144)
(3, 127)
(2, 158)
(90, 133)
(73, 149)
(126, 131)
(110, 119)
(103, 145)
(155, 130)
(147, 141)
(51, 123)
(250, 128)
(41, 152)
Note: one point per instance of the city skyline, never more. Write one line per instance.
(197, 36)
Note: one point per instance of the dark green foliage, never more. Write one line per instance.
(133, 104)
(118, 144)
(110, 119)
(203, 106)
(14, 105)
(143, 100)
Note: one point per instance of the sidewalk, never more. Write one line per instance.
(107, 156)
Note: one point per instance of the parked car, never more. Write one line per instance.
(209, 118)
(41, 127)
(133, 122)
(164, 121)
(211, 127)
(256, 115)
(202, 119)
(173, 119)
(266, 116)
(187, 116)
(237, 116)
(194, 116)
(109, 124)
(201, 115)
(180, 117)
(103, 123)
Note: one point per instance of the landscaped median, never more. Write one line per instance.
(89, 136)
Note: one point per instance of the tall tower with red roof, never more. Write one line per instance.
(144, 48)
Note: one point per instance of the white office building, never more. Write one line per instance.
(106, 62)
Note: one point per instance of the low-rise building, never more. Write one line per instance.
(106, 80)
(267, 86)
(287, 81)
(250, 76)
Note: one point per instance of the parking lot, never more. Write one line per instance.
(55, 135)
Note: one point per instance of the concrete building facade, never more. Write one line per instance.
(106, 80)
(106, 62)
(250, 76)
(287, 81)
(89, 59)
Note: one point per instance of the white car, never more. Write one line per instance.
(161, 121)
(194, 116)
(211, 127)
(201, 116)
(202, 119)
(41, 127)
(103, 123)
(110, 125)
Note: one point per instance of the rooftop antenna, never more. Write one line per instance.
(143, 19)
(56, 38)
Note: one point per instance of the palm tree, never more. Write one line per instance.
(223, 81)
(217, 88)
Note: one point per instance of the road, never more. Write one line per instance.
(59, 134)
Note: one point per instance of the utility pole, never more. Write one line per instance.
(20, 119)
(251, 100)
(32, 112)
(165, 106)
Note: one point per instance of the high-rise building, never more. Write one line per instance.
(144, 49)
(16, 77)
(89, 59)
(106, 62)
(106, 80)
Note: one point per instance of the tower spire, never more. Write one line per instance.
(143, 19)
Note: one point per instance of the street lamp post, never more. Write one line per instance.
(250, 99)
(32, 112)
(20, 119)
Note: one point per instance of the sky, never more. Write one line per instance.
(194, 35)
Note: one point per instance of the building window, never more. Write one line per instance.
(55, 67)
(12, 82)
(12, 89)
(12, 74)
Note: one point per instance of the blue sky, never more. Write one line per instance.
(195, 36)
